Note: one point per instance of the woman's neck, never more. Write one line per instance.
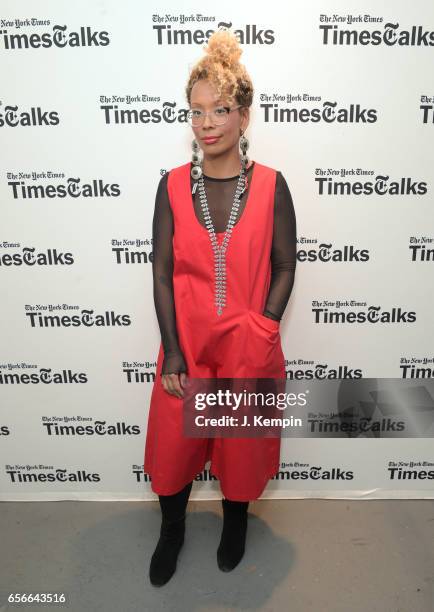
(218, 169)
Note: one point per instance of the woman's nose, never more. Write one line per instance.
(208, 120)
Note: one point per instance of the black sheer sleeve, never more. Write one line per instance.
(283, 253)
(162, 271)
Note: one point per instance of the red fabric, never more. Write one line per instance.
(239, 343)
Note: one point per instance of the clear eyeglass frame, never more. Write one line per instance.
(219, 115)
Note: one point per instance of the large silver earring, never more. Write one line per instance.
(244, 145)
(196, 169)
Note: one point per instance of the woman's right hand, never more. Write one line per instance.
(173, 373)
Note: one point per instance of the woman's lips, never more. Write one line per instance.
(209, 140)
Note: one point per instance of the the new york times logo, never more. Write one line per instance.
(421, 249)
(168, 113)
(325, 252)
(314, 473)
(427, 108)
(329, 112)
(84, 318)
(31, 474)
(117, 111)
(411, 470)
(385, 408)
(31, 257)
(390, 35)
(381, 185)
(58, 37)
(71, 187)
(413, 367)
(330, 312)
(41, 376)
(362, 425)
(96, 428)
(124, 254)
(10, 116)
(298, 370)
(249, 35)
(138, 372)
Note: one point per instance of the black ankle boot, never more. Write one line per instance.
(233, 538)
(164, 558)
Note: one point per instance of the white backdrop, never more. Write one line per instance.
(91, 107)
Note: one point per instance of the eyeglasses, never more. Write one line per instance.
(219, 115)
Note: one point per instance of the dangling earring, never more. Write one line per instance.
(244, 145)
(196, 169)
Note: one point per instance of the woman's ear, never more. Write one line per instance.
(245, 118)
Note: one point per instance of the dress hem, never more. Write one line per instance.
(214, 472)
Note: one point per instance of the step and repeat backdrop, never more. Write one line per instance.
(92, 113)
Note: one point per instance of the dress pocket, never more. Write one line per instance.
(262, 351)
(266, 322)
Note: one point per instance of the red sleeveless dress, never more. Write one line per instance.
(239, 343)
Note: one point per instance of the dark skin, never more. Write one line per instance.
(220, 160)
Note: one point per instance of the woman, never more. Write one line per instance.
(224, 258)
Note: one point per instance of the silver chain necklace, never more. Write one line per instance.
(220, 250)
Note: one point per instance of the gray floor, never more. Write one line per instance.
(301, 555)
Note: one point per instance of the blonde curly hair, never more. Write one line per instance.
(222, 68)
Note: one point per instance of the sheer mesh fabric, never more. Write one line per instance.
(220, 194)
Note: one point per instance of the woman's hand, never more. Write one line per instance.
(173, 373)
